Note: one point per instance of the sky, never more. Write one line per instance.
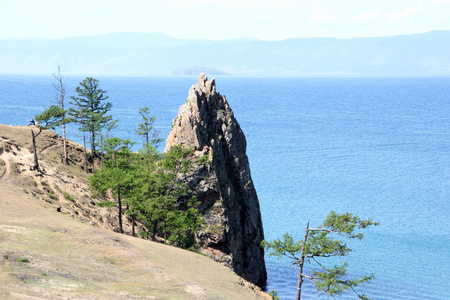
(219, 19)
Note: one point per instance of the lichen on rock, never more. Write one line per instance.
(221, 180)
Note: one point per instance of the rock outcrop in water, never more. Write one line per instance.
(221, 181)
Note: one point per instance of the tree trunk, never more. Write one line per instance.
(36, 162)
(155, 227)
(66, 156)
(93, 150)
(119, 200)
(101, 152)
(60, 87)
(93, 142)
(300, 264)
(85, 153)
(133, 233)
(165, 232)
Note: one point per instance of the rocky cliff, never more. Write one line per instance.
(221, 181)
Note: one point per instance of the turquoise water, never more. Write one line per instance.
(378, 147)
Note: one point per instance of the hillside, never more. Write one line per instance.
(53, 247)
(141, 54)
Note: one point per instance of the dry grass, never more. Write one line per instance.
(71, 258)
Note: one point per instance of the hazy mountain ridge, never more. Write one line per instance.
(158, 54)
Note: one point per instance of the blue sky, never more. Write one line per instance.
(211, 19)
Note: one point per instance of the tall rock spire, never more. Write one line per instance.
(221, 181)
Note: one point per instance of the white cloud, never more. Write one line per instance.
(367, 16)
(236, 4)
(405, 13)
(389, 17)
(321, 17)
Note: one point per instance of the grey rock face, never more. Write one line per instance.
(221, 181)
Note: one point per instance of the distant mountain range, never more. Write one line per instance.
(152, 54)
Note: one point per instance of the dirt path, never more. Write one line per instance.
(49, 148)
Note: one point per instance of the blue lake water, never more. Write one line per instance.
(377, 147)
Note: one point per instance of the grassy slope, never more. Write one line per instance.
(71, 259)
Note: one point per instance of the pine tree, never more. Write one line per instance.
(60, 88)
(117, 175)
(160, 200)
(150, 186)
(145, 128)
(50, 118)
(321, 242)
(89, 110)
(183, 219)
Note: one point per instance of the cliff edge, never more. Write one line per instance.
(221, 181)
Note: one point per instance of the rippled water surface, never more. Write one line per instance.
(378, 147)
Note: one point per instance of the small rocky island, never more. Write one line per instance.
(193, 71)
(234, 230)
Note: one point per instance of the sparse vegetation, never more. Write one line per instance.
(58, 188)
(68, 196)
(52, 196)
(106, 204)
(215, 229)
(204, 160)
(274, 295)
(68, 260)
(23, 259)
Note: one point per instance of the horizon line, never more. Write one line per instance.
(214, 40)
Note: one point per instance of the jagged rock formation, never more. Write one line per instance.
(221, 181)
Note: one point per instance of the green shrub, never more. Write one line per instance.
(274, 295)
(106, 204)
(58, 189)
(52, 196)
(68, 196)
(204, 159)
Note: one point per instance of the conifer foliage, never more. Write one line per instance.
(145, 186)
(90, 110)
(54, 116)
(145, 128)
(324, 242)
(148, 185)
(117, 174)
